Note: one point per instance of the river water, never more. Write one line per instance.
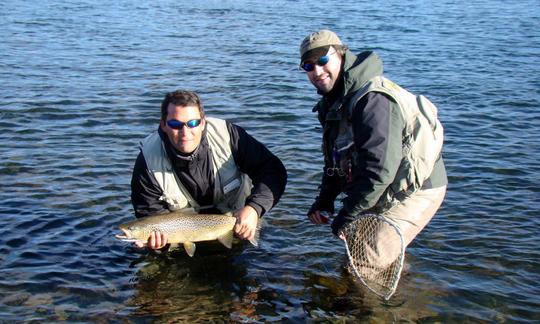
(81, 85)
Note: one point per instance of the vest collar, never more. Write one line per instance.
(358, 70)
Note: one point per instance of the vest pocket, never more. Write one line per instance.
(232, 185)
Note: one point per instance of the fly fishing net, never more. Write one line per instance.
(376, 251)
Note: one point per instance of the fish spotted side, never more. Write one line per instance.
(184, 228)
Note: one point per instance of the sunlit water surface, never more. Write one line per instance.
(81, 85)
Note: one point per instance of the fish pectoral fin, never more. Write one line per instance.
(190, 248)
(226, 239)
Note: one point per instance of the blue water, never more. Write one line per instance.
(81, 83)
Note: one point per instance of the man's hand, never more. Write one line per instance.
(318, 217)
(246, 223)
(156, 241)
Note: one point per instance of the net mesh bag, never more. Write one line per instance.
(375, 249)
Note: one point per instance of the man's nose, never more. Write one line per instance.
(318, 69)
(183, 129)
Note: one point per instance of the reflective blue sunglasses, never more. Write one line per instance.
(176, 124)
(322, 61)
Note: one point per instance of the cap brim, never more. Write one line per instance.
(314, 54)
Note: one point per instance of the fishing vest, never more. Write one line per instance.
(421, 143)
(231, 187)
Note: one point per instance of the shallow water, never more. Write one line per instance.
(81, 86)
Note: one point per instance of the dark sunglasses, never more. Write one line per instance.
(322, 61)
(176, 124)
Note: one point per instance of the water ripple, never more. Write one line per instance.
(82, 83)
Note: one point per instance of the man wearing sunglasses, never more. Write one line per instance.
(204, 164)
(367, 142)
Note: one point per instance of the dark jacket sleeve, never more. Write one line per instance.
(145, 191)
(377, 128)
(330, 188)
(266, 171)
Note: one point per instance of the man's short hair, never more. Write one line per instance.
(181, 98)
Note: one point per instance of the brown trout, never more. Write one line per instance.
(184, 228)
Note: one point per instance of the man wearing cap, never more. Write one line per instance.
(365, 144)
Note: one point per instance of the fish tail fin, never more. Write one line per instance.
(226, 239)
(255, 240)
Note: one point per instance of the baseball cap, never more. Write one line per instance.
(323, 38)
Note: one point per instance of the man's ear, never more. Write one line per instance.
(162, 124)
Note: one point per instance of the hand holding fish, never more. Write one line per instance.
(157, 240)
(246, 223)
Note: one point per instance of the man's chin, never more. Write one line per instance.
(185, 149)
(323, 88)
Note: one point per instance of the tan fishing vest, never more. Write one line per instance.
(422, 137)
(231, 187)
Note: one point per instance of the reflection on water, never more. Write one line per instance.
(174, 288)
(81, 86)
